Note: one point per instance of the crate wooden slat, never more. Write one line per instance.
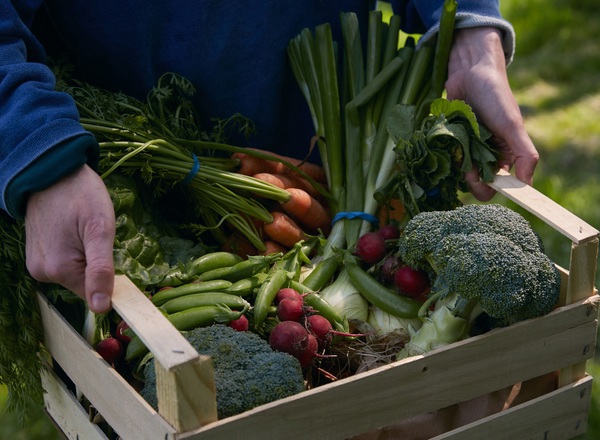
(99, 382)
(67, 413)
(556, 415)
(561, 341)
(422, 384)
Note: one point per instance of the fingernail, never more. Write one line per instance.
(100, 301)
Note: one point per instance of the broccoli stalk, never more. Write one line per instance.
(480, 263)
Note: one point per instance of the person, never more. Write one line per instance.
(234, 53)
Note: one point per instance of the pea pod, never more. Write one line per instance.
(205, 299)
(322, 273)
(246, 286)
(244, 269)
(267, 293)
(314, 301)
(379, 295)
(162, 296)
(135, 348)
(203, 316)
(184, 273)
(214, 260)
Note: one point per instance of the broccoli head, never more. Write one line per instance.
(248, 373)
(424, 231)
(482, 259)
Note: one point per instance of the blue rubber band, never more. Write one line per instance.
(193, 171)
(354, 215)
(433, 192)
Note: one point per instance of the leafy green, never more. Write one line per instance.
(21, 353)
(145, 248)
(433, 157)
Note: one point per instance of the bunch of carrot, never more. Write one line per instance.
(306, 213)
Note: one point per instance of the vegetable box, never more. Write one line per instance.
(524, 381)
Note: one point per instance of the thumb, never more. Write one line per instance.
(99, 271)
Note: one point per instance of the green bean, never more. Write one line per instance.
(185, 273)
(317, 303)
(380, 296)
(203, 316)
(322, 273)
(214, 260)
(205, 299)
(267, 293)
(246, 286)
(164, 295)
(244, 269)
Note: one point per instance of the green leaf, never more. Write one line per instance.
(455, 109)
(401, 122)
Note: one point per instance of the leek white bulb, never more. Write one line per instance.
(345, 298)
(385, 323)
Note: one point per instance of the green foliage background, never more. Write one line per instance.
(556, 79)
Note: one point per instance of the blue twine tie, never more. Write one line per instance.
(193, 171)
(356, 215)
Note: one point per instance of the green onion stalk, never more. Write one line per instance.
(352, 102)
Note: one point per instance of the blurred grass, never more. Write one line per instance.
(556, 79)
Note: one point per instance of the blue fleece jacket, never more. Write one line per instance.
(234, 52)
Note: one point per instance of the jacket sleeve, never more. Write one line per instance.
(34, 118)
(423, 16)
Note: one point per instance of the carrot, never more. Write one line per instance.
(284, 181)
(250, 165)
(394, 211)
(273, 247)
(284, 230)
(313, 170)
(307, 210)
(238, 245)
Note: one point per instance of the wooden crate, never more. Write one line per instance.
(558, 343)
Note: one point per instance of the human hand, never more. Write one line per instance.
(70, 230)
(477, 75)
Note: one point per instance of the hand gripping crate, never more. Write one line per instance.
(405, 392)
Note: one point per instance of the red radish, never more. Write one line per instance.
(119, 333)
(287, 292)
(312, 348)
(370, 247)
(290, 337)
(241, 324)
(389, 267)
(411, 282)
(290, 309)
(110, 349)
(321, 328)
(389, 231)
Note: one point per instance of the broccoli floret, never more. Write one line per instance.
(478, 264)
(248, 373)
(423, 232)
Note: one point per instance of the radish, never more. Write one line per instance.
(110, 349)
(370, 247)
(389, 231)
(321, 329)
(290, 337)
(287, 292)
(389, 267)
(241, 324)
(290, 309)
(411, 282)
(310, 352)
(120, 333)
